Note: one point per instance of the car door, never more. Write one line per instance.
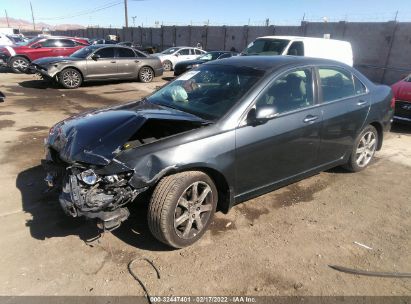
(285, 145)
(345, 104)
(184, 54)
(127, 63)
(102, 66)
(44, 48)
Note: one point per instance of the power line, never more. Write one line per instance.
(85, 12)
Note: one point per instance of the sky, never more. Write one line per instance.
(213, 12)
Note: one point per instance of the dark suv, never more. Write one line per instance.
(18, 57)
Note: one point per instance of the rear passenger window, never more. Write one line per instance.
(65, 43)
(359, 87)
(198, 52)
(127, 53)
(291, 92)
(336, 84)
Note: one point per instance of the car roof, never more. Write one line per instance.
(267, 63)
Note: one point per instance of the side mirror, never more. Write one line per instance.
(95, 57)
(261, 115)
(2, 97)
(37, 46)
(176, 54)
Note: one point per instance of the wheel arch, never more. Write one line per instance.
(378, 126)
(19, 55)
(74, 68)
(225, 193)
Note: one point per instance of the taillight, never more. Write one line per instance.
(392, 103)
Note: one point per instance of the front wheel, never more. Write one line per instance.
(363, 150)
(70, 78)
(182, 207)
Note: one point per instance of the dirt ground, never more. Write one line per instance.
(278, 244)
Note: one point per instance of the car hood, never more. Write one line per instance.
(51, 60)
(96, 137)
(402, 90)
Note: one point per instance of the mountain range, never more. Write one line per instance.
(25, 25)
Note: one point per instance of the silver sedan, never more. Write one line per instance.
(98, 62)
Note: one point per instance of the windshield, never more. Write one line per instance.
(32, 40)
(170, 51)
(83, 53)
(208, 92)
(209, 56)
(266, 47)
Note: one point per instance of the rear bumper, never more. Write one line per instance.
(158, 72)
(402, 111)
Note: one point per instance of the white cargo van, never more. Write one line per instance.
(301, 46)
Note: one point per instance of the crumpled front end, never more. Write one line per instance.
(94, 196)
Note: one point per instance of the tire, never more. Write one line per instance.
(167, 65)
(70, 78)
(146, 74)
(363, 150)
(19, 64)
(173, 216)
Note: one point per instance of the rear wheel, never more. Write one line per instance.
(167, 65)
(182, 207)
(146, 74)
(19, 64)
(363, 150)
(70, 78)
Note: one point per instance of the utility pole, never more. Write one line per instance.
(7, 18)
(125, 12)
(32, 16)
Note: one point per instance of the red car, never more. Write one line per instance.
(18, 57)
(402, 94)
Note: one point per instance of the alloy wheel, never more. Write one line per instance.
(146, 74)
(193, 210)
(20, 64)
(366, 149)
(167, 66)
(71, 79)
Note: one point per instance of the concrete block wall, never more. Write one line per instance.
(381, 49)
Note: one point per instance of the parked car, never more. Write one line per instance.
(18, 57)
(171, 56)
(5, 40)
(102, 41)
(184, 66)
(301, 46)
(402, 94)
(98, 62)
(225, 132)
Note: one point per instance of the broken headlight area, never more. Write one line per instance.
(84, 193)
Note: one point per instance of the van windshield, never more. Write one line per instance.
(266, 46)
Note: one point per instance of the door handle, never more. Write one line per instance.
(361, 102)
(112, 61)
(136, 61)
(310, 118)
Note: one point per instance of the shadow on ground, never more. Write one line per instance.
(49, 221)
(401, 128)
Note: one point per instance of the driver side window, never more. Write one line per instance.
(290, 92)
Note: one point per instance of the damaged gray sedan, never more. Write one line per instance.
(98, 63)
(218, 135)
